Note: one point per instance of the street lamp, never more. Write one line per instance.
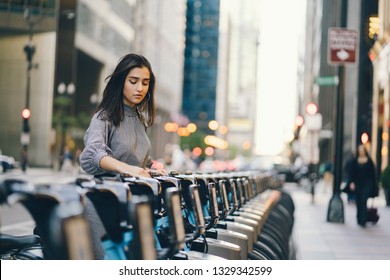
(313, 122)
(335, 212)
(29, 49)
(65, 92)
(69, 89)
(25, 139)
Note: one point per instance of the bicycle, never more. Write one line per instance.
(61, 231)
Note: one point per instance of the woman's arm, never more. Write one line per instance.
(95, 147)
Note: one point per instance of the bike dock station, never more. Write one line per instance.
(191, 216)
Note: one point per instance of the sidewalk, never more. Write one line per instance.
(41, 175)
(317, 239)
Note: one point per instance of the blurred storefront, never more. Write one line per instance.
(380, 57)
(77, 43)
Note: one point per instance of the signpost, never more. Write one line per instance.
(342, 49)
(342, 45)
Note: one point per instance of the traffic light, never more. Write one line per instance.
(26, 113)
(374, 25)
(364, 138)
(313, 119)
(299, 121)
(26, 116)
(311, 108)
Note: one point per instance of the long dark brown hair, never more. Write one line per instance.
(112, 102)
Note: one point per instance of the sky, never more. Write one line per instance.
(280, 24)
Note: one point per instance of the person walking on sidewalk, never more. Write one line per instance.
(347, 172)
(362, 182)
(116, 139)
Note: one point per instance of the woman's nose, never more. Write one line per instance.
(139, 86)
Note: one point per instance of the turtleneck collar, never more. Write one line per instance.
(130, 111)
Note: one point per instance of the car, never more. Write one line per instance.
(287, 171)
(7, 163)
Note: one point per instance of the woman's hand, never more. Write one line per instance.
(136, 171)
(352, 186)
(157, 172)
(110, 164)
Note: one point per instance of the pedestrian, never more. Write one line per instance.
(347, 189)
(23, 158)
(116, 139)
(76, 161)
(67, 161)
(328, 176)
(363, 182)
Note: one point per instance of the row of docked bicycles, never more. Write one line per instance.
(235, 215)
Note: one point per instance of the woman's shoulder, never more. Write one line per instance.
(99, 119)
(101, 116)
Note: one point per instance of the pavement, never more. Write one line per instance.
(42, 175)
(317, 239)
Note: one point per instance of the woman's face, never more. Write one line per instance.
(136, 86)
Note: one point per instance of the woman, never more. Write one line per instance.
(362, 182)
(116, 140)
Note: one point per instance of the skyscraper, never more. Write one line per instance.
(201, 57)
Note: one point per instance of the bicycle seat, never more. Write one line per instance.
(11, 242)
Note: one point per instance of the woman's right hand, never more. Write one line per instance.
(135, 171)
(352, 186)
(111, 164)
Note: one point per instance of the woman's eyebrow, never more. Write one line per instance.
(134, 77)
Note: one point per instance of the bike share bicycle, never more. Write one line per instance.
(61, 231)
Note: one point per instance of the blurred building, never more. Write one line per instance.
(309, 61)
(379, 30)
(78, 43)
(237, 73)
(322, 78)
(160, 36)
(35, 26)
(201, 61)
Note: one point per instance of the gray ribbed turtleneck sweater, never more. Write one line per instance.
(127, 142)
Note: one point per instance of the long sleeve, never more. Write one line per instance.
(96, 147)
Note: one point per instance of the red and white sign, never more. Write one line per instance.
(342, 45)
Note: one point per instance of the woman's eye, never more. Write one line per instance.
(133, 82)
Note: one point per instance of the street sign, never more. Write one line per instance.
(327, 80)
(342, 45)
